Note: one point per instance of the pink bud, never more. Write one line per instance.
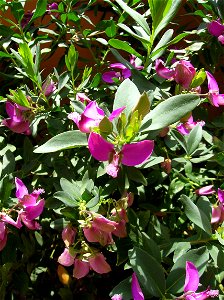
(48, 87)
(206, 190)
(184, 73)
(68, 235)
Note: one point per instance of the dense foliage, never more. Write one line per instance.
(112, 149)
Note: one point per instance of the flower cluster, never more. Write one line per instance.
(29, 207)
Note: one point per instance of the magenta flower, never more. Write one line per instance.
(206, 190)
(3, 235)
(17, 121)
(26, 18)
(119, 71)
(216, 28)
(218, 211)
(185, 128)
(136, 289)
(215, 98)
(183, 73)
(91, 116)
(48, 87)
(129, 155)
(31, 206)
(191, 285)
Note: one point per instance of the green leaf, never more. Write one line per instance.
(144, 39)
(162, 44)
(193, 139)
(118, 44)
(59, 224)
(162, 12)
(66, 198)
(123, 288)
(143, 105)
(62, 141)
(135, 15)
(196, 215)
(198, 79)
(40, 10)
(127, 95)
(151, 247)
(8, 163)
(149, 271)
(179, 138)
(136, 175)
(105, 126)
(71, 188)
(176, 278)
(169, 111)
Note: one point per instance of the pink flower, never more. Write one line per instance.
(66, 258)
(191, 285)
(183, 73)
(121, 72)
(94, 235)
(99, 230)
(91, 116)
(218, 211)
(185, 128)
(97, 263)
(216, 28)
(215, 98)
(32, 207)
(129, 155)
(48, 87)
(17, 122)
(82, 97)
(206, 190)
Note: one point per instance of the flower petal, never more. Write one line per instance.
(136, 153)
(162, 71)
(206, 190)
(34, 211)
(212, 83)
(99, 148)
(215, 28)
(21, 189)
(99, 264)
(108, 76)
(221, 195)
(66, 259)
(93, 111)
(81, 268)
(135, 288)
(115, 113)
(192, 278)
